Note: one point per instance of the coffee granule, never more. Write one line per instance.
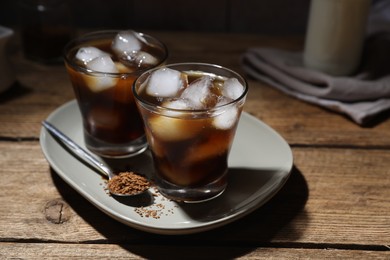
(128, 183)
(155, 211)
(158, 209)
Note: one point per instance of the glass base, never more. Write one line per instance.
(192, 194)
(110, 150)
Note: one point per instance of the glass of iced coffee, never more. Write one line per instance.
(102, 67)
(190, 112)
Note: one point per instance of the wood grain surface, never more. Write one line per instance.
(336, 203)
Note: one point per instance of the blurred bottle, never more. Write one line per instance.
(46, 26)
(335, 35)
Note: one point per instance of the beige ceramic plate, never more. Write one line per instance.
(259, 165)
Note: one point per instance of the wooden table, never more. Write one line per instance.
(336, 203)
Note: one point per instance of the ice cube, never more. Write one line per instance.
(138, 59)
(144, 58)
(125, 42)
(199, 93)
(232, 88)
(176, 104)
(157, 147)
(165, 82)
(123, 68)
(102, 64)
(100, 82)
(227, 118)
(174, 129)
(214, 146)
(86, 54)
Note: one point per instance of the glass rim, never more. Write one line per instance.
(87, 36)
(154, 107)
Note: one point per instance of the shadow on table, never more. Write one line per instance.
(270, 222)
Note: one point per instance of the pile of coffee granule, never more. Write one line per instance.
(128, 183)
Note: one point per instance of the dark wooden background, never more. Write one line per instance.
(255, 16)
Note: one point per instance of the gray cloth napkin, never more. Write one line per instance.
(361, 96)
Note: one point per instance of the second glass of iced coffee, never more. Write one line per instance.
(102, 67)
(191, 112)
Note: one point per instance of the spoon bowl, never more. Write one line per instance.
(88, 158)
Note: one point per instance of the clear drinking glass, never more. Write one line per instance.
(190, 146)
(112, 124)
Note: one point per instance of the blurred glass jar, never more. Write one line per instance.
(46, 27)
(335, 35)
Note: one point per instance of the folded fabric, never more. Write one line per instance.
(361, 96)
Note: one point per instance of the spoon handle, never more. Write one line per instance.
(77, 149)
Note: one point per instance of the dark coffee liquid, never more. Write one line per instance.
(196, 161)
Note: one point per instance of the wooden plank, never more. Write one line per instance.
(352, 202)
(137, 251)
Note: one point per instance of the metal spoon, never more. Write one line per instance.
(87, 157)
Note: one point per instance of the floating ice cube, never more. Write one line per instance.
(86, 54)
(165, 82)
(199, 93)
(144, 58)
(138, 59)
(103, 64)
(174, 129)
(222, 100)
(227, 118)
(216, 145)
(126, 42)
(123, 68)
(232, 88)
(176, 104)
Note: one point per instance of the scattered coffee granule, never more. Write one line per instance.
(128, 183)
(157, 209)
